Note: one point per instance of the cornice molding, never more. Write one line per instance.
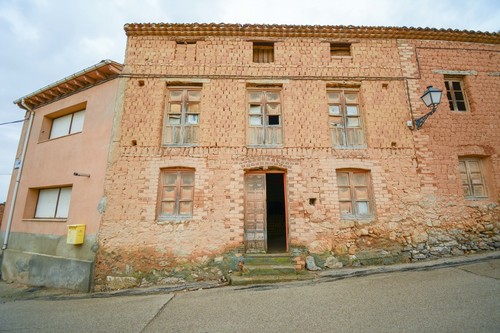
(311, 31)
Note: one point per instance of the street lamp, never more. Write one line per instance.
(431, 98)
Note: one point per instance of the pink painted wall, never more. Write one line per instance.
(51, 163)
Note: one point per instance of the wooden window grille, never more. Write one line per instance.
(176, 193)
(473, 181)
(456, 94)
(265, 123)
(182, 115)
(340, 49)
(345, 119)
(263, 52)
(355, 196)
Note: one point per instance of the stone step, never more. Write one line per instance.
(268, 259)
(237, 280)
(268, 269)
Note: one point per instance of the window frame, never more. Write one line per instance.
(68, 128)
(178, 187)
(344, 116)
(184, 126)
(468, 181)
(57, 204)
(340, 49)
(263, 52)
(353, 201)
(451, 93)
(265, 125)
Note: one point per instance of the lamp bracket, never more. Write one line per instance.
(420, 121)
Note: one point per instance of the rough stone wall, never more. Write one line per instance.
(420, 210)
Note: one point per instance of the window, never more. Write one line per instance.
(176, 193)
(355, 193)
(264, 117)
(345, 119)
(263, 52)
(456, 94)
(53, 203)
(340, 49)
(473, 181)
(182, 114)
(67, 124)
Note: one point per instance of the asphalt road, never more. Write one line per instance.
(454, 299)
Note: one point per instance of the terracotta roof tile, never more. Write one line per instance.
(274, 30)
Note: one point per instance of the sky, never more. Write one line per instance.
(44, 41)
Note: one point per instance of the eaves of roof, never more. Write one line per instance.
(84, 79)
(332, 32)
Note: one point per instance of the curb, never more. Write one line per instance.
(343, 273)
(317, 277)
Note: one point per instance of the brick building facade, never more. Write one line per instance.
(256, 138)
(216, 141)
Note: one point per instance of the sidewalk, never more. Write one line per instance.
(14, 291)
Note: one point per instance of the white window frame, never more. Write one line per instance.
(53, 203)
(68, 124)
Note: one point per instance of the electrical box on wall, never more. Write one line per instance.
(76, 234)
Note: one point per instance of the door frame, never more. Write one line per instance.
(285, 201)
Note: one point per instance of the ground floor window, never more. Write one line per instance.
(355, 193)
(176, 193)
(473, 180)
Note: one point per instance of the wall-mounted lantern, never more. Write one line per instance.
(431, 98)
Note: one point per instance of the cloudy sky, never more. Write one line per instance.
(46, 40)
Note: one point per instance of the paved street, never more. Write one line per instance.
(453, 299)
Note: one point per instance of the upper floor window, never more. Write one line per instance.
(53, 203)
(182, 114)
(265, 124)
(345, 118)
(355, 193)
(340, 49)
(473, 180)
(456, 93)
(263, 52)
(176, 193)
(67, 124)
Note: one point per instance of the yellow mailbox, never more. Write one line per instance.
(76, 234)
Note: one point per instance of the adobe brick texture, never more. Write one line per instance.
(420, 209)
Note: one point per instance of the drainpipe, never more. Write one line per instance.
(19, 172)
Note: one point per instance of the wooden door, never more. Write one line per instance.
(255, 213)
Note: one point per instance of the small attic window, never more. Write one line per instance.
(340, 49)
(185, 42)
(263, 52)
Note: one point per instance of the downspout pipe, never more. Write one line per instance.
(19, 172)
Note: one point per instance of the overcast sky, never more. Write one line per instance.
(46, 40)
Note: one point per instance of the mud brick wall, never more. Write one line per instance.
(420, 207)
